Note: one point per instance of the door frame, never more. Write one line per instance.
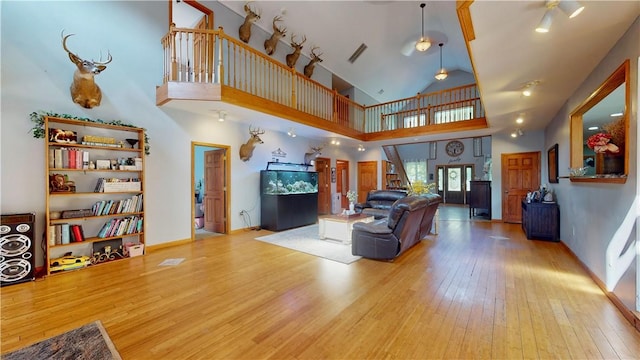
(465, 192)
(345, 185)
(227, 180)
(327, 179)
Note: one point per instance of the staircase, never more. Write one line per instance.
(399, 180)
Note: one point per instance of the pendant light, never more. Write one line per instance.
(442, 73)
(423, 44)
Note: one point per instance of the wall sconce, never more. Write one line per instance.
(292, 132)
(222, 115)
(517, 133)
(335, 142)
(361, 148)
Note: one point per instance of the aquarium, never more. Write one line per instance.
(285, 182)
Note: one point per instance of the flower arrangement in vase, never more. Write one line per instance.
(601, 142)
(353, 197)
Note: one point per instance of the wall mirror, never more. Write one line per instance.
(600, 132)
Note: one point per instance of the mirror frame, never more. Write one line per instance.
(618, 77)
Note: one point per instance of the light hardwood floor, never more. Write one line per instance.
(477, 290)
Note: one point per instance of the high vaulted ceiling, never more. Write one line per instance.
(507, 53)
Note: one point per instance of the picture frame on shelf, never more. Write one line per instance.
(103, 164)
(552, 163)
(63, 136)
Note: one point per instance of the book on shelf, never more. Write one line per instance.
(58, 234)
(85, 159)
(72, 159)
(77, 232)
(79, 155)
(51, 235)
(103, 231)
(66, 237)
(57, 158)
(65, 158)
(52, 157)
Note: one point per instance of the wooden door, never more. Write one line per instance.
(215, 187)
(324, 186)
(342, 182)
(367, 178)
(520, 174)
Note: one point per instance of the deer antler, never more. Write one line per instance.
(283, 30)
(293, 40)
(313, 53)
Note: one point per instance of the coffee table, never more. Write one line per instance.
(338, 227)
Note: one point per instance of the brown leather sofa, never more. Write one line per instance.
(379, 202)
(409, 221)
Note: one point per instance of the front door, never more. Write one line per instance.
(367, 178)
(214, 199)
(520, 174)
(324, 183)
(453, 183)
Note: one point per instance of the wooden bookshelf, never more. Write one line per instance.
(79, 188)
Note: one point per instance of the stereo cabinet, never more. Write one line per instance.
(94, 193)
(541, 220)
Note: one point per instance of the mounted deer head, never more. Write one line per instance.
(278, 33)
(84, 90)
(246, 149)
(244, 33)
(308, 69)
(315, 152)
(292, 58)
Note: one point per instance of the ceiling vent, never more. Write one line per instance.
(357, 53)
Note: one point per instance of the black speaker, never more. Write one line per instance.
(17, 248)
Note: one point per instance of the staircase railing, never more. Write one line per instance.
(211, 56)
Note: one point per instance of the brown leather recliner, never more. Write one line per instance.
(379, 202)
(386, 239)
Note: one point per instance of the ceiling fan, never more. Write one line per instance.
(422, 44)
(431, 37)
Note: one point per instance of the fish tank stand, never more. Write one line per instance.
(288, 198)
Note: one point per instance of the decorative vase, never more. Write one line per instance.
(352, 207)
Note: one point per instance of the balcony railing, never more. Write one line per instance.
(212, 57)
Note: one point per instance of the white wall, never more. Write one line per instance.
(36, 74)
(590, 213)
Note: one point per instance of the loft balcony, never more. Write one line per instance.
(209, 65)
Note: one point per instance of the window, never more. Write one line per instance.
(414, 121)
(452, 115)
(416, 170)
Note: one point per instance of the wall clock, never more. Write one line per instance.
(454, 148)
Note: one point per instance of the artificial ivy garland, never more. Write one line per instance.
(38, 128)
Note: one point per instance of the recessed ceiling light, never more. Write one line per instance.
(520, 120)
(616, 114)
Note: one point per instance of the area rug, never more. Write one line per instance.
(88, 342)
(305, 239)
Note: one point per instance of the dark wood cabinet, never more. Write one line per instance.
(480, 198)
(541, 220)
